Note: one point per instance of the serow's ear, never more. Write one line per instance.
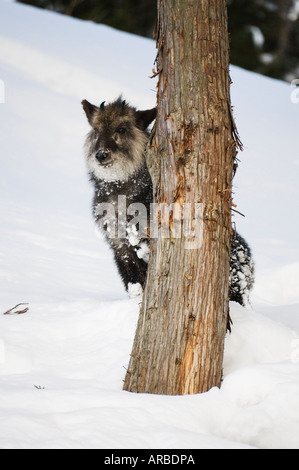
(144, 118)
(90, 110)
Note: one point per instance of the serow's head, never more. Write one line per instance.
(116, 143)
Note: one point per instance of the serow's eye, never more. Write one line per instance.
(96, 132)
(121, 130)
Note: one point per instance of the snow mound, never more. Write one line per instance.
(256, 339)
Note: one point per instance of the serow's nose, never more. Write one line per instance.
(102, 155)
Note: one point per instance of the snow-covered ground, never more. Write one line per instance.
(62, 363)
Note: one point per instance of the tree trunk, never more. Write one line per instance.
(179, 342)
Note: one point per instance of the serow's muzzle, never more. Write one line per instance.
(103, 156)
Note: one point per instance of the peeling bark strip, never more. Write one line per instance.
(179, 342)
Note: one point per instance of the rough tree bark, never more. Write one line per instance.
(179, 342)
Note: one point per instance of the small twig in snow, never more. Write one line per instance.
(17, 312)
